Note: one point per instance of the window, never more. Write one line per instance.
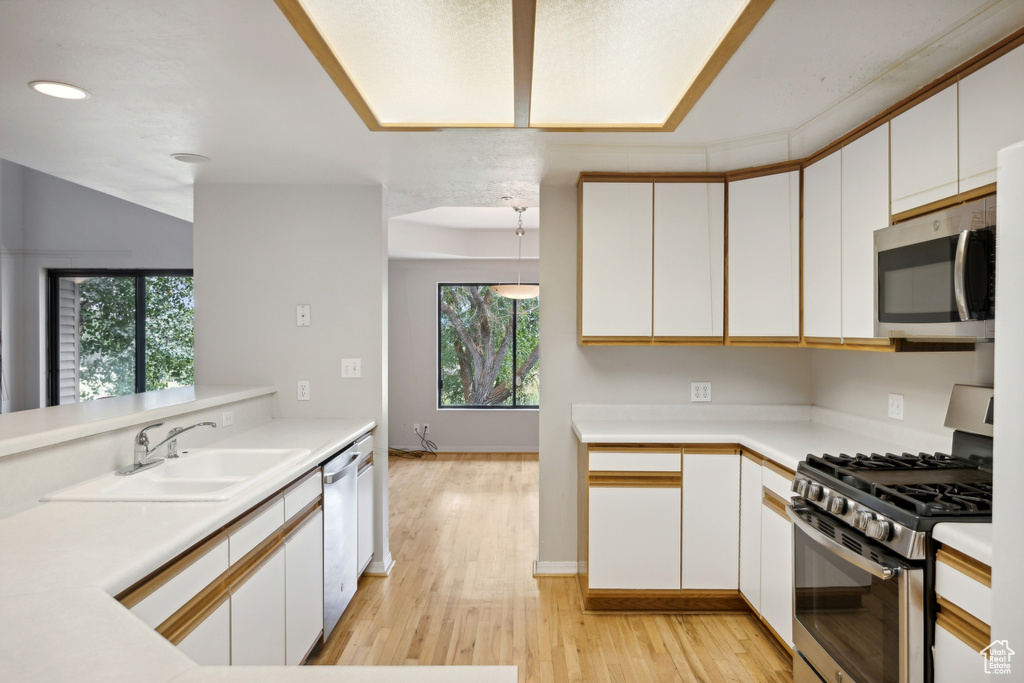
(116, 332)
(488, 349)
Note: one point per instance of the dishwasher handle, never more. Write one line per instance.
(334, 470)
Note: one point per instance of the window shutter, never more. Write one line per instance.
(67, 341)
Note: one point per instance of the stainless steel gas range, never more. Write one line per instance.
(864, 558)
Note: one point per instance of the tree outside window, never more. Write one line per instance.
(489, 349)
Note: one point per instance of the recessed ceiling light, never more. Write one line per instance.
(186, 158)
(506, 199)
(61, 90)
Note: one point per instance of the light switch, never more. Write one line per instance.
(302, 315)
(351, 368)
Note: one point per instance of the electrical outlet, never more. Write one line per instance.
(416, 428)
(426, 428)
(302, 315)
(227, 418)
(700, 392)
(303, 390)
(896, 406)
(351, 367)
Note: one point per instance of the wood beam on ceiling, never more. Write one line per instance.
(524, 20)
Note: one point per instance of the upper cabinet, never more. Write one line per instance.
(823, 273)
(924, 153)
(689, 267)
(991, 102)
(616, 236)
(764, 259)
(652, 262)
(865, 197)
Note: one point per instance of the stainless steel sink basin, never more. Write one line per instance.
(199, 474)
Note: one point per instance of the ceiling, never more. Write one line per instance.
(231, 79)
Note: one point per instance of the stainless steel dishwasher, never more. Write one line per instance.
(340, 534)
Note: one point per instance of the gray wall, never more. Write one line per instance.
(412, 361)
(46, 222)
(262, 250)
(576, 374)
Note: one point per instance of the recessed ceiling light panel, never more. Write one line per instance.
(187, 158)
(62, 90)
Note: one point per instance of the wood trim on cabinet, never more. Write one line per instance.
(978, 193)
(158, 578)
(711, 449)
(787, 342)
(965, 564)
(656, 177)
(752, 456)
(579, 261)
(187, 619)
(760, 171)
(779, 469)
(925, 209)
(827, 342)
(689, 341)
(633, 448)
(652, 480)
(967, 628)
(685, 600)
(774, 502)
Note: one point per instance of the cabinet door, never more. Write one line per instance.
(210, 643)
(823, 273)
(956, 661)
(777, 573)
(689, 259)
(924, 152)
(634, 538)
(764, 256)
(304, 586)
(865, 180)
(258, 616)
(750, 531)
(364, 539)
(710, 553)
(991, 102)
(617, 269)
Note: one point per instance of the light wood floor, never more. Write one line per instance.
(464, 537)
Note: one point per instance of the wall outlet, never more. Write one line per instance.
(896, 406)
(700, 392)
(351, 367)
(302, 390)
(416, 428)
(426, 428)
(302, 315)
(227, 418)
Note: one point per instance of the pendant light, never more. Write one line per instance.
(518, 290)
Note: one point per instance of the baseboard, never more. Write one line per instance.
(554, 568)
(664, 601)
(380, 568)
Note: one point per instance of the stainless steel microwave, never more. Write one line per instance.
(935, 276)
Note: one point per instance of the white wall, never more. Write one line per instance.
(46, 222)
(262, 250)
(594, 374)
(412, 361)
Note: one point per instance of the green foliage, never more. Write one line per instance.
(476, 365)
(169, 332)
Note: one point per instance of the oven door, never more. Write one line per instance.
(858, 609)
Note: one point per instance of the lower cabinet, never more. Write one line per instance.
(963, 587)
(210, 643)
(777, 569)
(710, 552)
(258, 616)
(750, 531)
(634, 537)
(304, 589)
(364, 494)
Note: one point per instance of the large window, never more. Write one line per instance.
(488, 349)
(113, 333)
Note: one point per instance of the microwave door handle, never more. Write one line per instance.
(960, 276)
(873, 568)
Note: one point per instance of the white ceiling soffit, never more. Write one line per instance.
(461, 232)
(554, 64)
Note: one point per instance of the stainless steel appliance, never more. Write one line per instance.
(864, 559)
(935, 275)
(340, 534)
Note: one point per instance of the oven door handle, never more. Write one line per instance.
(960, 275)
(878, 570)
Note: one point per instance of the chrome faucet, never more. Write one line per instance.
(144, 452)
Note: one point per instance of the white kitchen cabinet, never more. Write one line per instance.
(764, 257)
(634, 538)
(865, 208)
(210, 643)
(924, 152)
(823, 272)
(710, 543)
(258, 616)
(187, 576)
(364, 535)
(991, 101)
(304, 586)
(689, 266)
(750, 531)
(777, 572)
(956, 661)
(616, 259)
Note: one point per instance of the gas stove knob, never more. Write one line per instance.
(837, 505)
(861, 519)
(814, 491)
(800, 487)
(879, 529)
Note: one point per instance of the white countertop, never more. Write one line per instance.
(974, 540)
(62, 561)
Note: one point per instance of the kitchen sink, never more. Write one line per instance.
(199, 474)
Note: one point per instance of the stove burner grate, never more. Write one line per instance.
(940, 499)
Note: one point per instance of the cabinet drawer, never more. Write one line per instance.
(777, 480)
(302, 495)
(636, 461)
(189, 577)
(961, 589)
(253, 530)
